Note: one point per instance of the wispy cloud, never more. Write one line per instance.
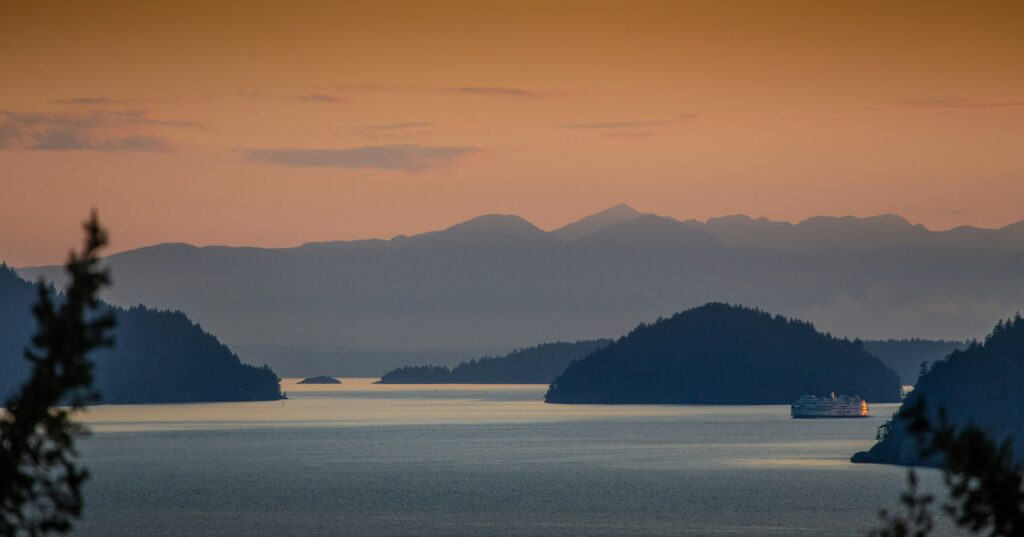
(398, 126)
(492, 91)
(631, 124)
(504, 92)
(94, 130)
(632, 128)
(409, 130)
(317, 97)
(322, 98)
(406, 157)
(630, 134)
(86, 101)
(950, 102)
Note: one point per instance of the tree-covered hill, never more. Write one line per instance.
(158, 357)
(981, 384)
(533, 365)
(724, 354)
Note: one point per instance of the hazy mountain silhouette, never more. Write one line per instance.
(498, 282)
(980, 384)
(850, 234)
(722, 354)
(298, 360)
(158, 356)
(905, 356)
(651, 233)
(534, 365)
(819, 234)
(619, 214)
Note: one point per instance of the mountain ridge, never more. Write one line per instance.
(499, 282)
(622, 214)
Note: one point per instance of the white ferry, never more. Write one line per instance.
(833, 406)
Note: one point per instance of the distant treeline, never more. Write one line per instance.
(158, 356)
(724, 354)
(534, 365)
(906, 355)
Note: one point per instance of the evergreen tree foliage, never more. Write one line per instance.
(979, 386)
(724, 354)
(984, 481)
(40, 478)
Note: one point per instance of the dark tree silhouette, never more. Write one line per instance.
(983, 480)
(922, 370)
(979, 387)
(724, 354)
(40, 479)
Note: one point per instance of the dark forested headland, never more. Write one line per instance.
(980, 385)
(724, 354)
(905, 356)
(158, 357)
(533, 365)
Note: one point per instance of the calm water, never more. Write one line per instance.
(360, 459)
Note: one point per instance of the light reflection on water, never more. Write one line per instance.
(448, 460)
(360, 402)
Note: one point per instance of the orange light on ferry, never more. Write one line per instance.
(863, 408)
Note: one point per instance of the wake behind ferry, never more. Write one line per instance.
(842, 406)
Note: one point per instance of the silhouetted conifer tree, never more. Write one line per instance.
(983, 480)
(40, 479)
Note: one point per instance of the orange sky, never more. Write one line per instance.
(277, 123)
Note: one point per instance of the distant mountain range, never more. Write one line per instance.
(724, 354)
(498, 282)
(533, 365)
(158, 356)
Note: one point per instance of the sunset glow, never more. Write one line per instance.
(270, 124)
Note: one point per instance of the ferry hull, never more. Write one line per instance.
(829, 416)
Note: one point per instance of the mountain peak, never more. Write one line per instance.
(618, 210)
(493, 222)
(489, 227)
(611, 216)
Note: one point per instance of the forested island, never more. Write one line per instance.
(158, 356)
(905, 356)
(724, 354)
(980, 385)
(533, 365)
(322, 379)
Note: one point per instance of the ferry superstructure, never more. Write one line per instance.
(833, 406)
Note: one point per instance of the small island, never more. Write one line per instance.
(322, 379)
(533, 365)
